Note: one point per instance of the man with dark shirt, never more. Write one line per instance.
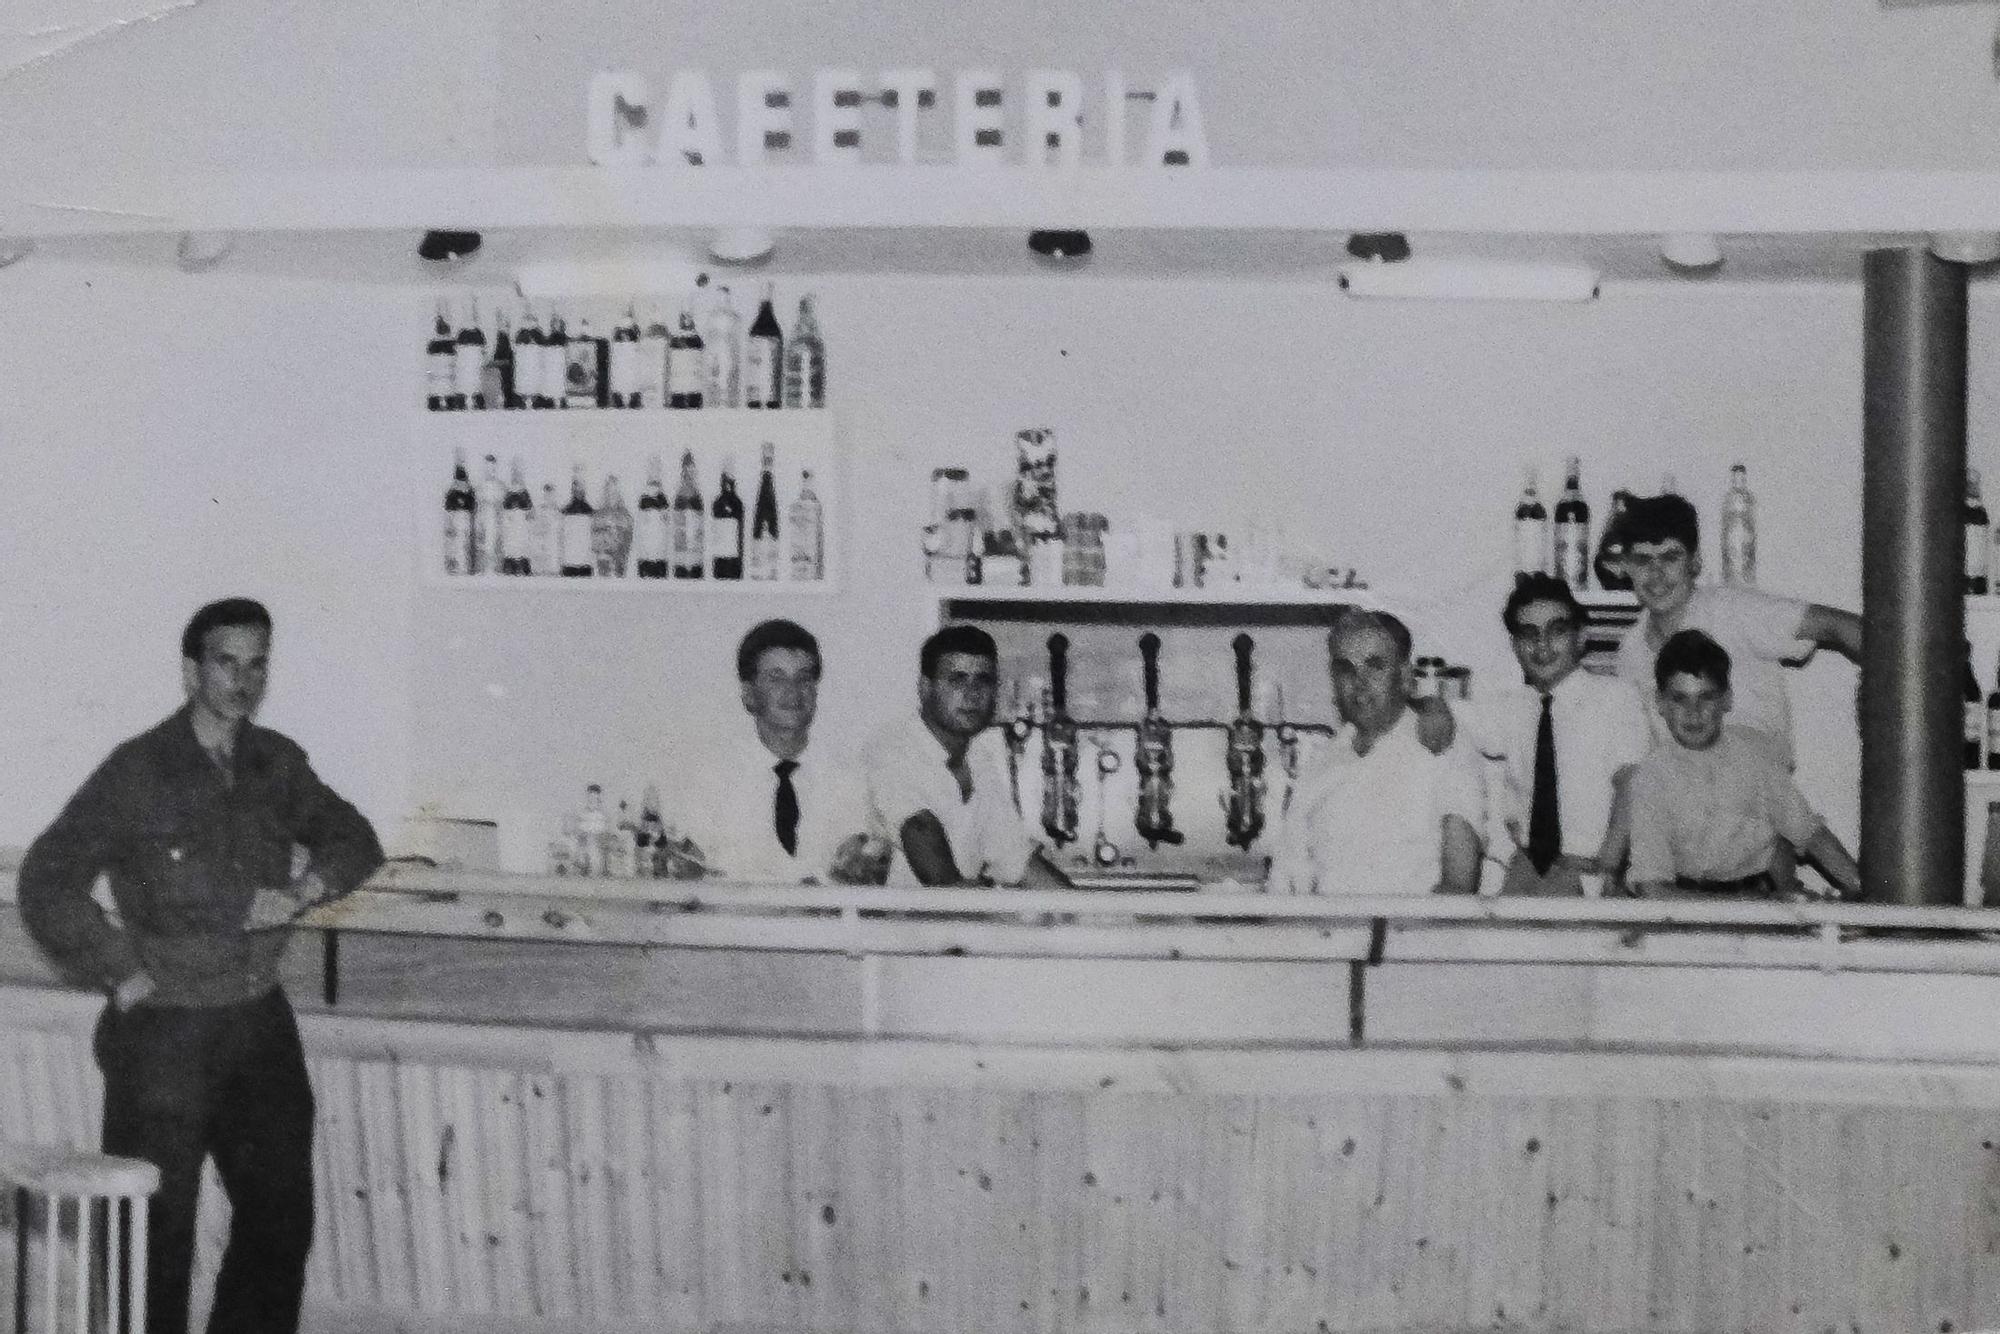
(215, 834)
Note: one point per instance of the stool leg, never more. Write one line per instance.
(136, 1282)
(20, 1260)
(84, 1211)
(52, 1255)
(114, 1263)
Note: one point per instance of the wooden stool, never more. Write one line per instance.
(123, 1185)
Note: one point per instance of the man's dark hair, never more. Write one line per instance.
(1692, 653)
(956, 639)
(218, 616)
(1539, 587)
(1668, 518)
(1367, 618)
(769, 635)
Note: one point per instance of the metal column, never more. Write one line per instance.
(1913, 485)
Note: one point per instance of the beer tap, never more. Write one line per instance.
(1288, 747)
(1020, 722)
(1059, 785)
(1243, 803)
(1153, 757)
(1102, 850)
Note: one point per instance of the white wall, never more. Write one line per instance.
(175, 438)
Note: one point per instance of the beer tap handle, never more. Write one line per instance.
(1243, 645)
(1059, 674)
(1149, 653)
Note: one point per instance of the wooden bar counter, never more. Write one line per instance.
(590, 1105)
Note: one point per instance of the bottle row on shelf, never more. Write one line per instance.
(1560, 543)
(507, 528)
(706, 358)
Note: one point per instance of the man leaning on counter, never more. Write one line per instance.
(938, 781)
(775, 809)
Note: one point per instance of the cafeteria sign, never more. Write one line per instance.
(627, 128)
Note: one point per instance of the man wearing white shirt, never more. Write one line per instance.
(1566, 742)
(937, 782)
(1384, 815)
(776, 810)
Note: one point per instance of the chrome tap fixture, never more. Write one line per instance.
(1153, 757)
(1059, 786)
(1243, 802)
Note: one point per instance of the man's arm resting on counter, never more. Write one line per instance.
(928, 850)
(1830, 627)
(1831, 856)
(1459, 851)
(342, 847)
(1041, 873)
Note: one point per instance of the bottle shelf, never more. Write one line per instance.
(1233, 595)
(611, 585)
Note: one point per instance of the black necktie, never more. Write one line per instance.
(1545, 838)
(785, 810)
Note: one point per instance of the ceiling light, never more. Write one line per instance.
(1388, 247)
(742, 245)
(1454, 279)
(199, 252)
(1691, 251)
(636, 273)
(1966, 247)
(14, 249)
(1064, 245)
(438, 246)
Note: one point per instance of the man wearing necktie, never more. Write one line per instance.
(1565, 740)
(774, 809)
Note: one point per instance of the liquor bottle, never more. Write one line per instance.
(652, 831)
(1993, 724)
(497, 382)
(1977, 539)
(528, 360)
(573, 541)
(555, 364)
(722, 353)
(1610, 563)
(764, 357)
(1531, 530)
(765, 557)
(1975, 714)
(458, 505)
(808, 540)
(611, 531)
(622, 856)
(588, 360)
(439, 358)
(1572, 545)
(688, 545)
(725, 536)
(653, 352)
(486, 519)
(805, 361)
(1739, 531)
(468, 360)
(517, 519)
(545, 529)
(653, 534)
(625, 373)
(685, 364)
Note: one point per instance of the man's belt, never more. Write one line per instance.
(1760, 885)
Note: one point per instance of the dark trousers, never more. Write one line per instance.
(183, 1083)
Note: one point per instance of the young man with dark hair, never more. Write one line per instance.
(1384, 815)
(938, 782)
(1762, 633)
(770, 808)
(215, 834)
(1566, 741)
(1710, 804)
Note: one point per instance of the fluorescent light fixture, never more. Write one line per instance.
(1692, 251)
(1966, 247)
(742, 245)
(654, 272)
(1448, 279)
(198, 252)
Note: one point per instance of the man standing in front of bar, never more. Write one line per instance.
(215, 835)
(1385, 815)
(938, 783)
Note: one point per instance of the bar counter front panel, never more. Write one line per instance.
(850, 1110)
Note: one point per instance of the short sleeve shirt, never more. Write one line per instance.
(1714, 814)
(907, 773)
(1373, 824)
(1760, 632)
